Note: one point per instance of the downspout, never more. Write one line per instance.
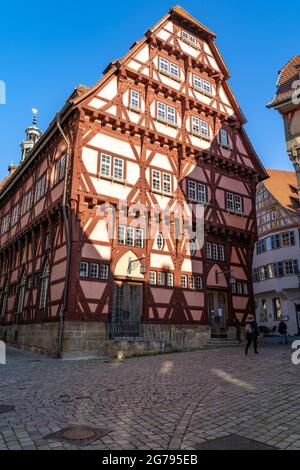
(68, 238)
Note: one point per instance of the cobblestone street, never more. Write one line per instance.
(175, 401)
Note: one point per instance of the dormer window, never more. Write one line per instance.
(169, 68)
(189, 38)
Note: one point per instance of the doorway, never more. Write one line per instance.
(218, 313)
(127, 309)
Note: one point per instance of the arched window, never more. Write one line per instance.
(160, 241)
(44, 286)
(4, 299)
(22, 292)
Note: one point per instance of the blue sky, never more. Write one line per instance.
(47, 48)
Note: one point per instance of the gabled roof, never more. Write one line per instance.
(287, 76)
(283, 187)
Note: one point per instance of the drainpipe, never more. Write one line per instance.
(65, 208)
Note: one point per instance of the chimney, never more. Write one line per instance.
(11, 168)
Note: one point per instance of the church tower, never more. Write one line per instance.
(33, 133)
(287, 103)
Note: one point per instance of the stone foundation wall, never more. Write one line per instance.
(40, 338)
(88, 339)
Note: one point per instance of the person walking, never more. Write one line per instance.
(282, 330)
(252, 333)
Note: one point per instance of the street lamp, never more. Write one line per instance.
(133, 264)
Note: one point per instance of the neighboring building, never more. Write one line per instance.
(163, 128)
(276, 260)
(284, 189)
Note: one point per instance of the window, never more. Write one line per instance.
(170, 279)
(121, 235)
(118, 172)
(202, 85)
(169, 68)
(60, 169)
(197, 192)
(27, 202)
(105, 167)
(234, 203)
(288, 267)
(208, 250)
(104, 271)
(5, 224)
(276, 308)
(202, 193)
(191, 282)
(221, 252)
(15, 215)
(166, 113)
(84, 269)
(153, 278)
(156, 186)
(160, 241)
(224, 137)
(40, 188)
(200, 127)
(274, 215)
(139, 237)
(161, 182)
(94, 270)
(4, 299)
(44, 286)
(199, 283)
(164, 65)
(215, 251)
(245, 288)
(21, 296)
(263, 313)
(192, 190)
(134, 100)
(239, 288)
(130, 236)
(161, 279)
(189, 38)
(48, 241)
(184, 281)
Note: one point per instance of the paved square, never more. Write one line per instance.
(175, 401)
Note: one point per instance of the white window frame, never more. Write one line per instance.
(94, 270)
(105, 165)
(84, 269)
(160, 242)
(153, 278)
(224, 138)
(166, 113)
(192, 282)
(200, 128)
(161, 278)
(184, 281)
(135, 100)
(170, 279)
(168, 67)
(104, 271)
(189, 38)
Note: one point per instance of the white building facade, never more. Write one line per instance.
(276, 261)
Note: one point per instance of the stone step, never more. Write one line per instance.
(221, 343)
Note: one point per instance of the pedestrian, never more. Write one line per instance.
(238, 330)
(252, 333)
(282, 330)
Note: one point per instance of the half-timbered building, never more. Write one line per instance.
(161, 130)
